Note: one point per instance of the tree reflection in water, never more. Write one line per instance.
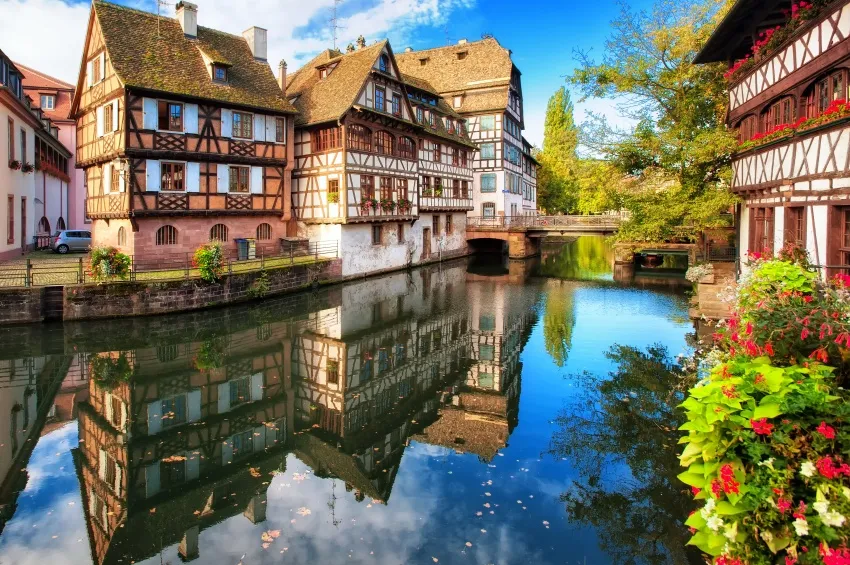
(559, 319)
(585, 258)
(621, 436)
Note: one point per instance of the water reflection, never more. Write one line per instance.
(373, 422)
(583, 258)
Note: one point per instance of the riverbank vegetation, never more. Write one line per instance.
(766, 451)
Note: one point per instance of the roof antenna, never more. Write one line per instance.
(160, 3)
(446, 31)
(334, 21)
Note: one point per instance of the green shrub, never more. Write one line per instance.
(107, 263)
(209, 260)
(108, 371)
(260, 287)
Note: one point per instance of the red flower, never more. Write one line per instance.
(749, 328)
(805, 333)
(696, 490)
(790, 560)
(759, 379)
(728, 560)
(729, 391)
(826, 431)
(826, 467)
(808, 298)
(783, 505)
(800, 514)
(762, 427)
(820, 354)
(768, 348)
(716, 488)
(838, 556)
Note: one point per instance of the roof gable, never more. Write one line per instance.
(151, 52)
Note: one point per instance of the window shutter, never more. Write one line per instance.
(223, 398)
(226, 123)
(119, 479)
(99, 116)
(271, 130)
(152, 480)
(193, 177)
(152, 176)
(190, 123)
(150, 113)
(102, 66)
(88, 73)
(257, 180)
(260, 128)
(227, 452)
(260, 437)
(193, 400)
(101, 464)
(256, 387)
(122, 181)
(107, 178)
(193, 464)
(107, 403)
(115, 115)
(223, 176)
(154, 417)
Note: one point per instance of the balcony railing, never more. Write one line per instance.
(445, 201)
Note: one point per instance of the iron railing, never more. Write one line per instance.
(601, 222)
(60, 270)
(721, 253)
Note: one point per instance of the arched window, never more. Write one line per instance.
(359, 138)
(218, 233)
(384, 143)
(781, 112)
(824, 91)
(264, 232)
(747, 128)
(43, 225)
(406, 148)
(122, 237)
(60, 224)
(384, 63)
(166, 235)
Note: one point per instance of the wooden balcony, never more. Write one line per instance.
(445, 202)
(114, 205)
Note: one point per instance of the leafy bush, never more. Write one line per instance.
(108, 371)
(260, 287)
(209, 260)
(107, 263)
(767, 445)
(211, 354)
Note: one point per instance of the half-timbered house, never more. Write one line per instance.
(786, 102)
(481, 83)
(182, 131)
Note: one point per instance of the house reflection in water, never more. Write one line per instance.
(184, 421)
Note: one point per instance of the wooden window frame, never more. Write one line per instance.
(386, 188)
(455, 156)
(108, 119)
(485, 206)
(215, 71)
(464, 162)
(377, 234)
(449, 224)
(400, 233)
(435, 225)
(781, 112)
(401, 188)
(245, 129)
(172, 180)
(406, 148)
(166, 235)
(167, 105)
(96, 71)
(333, 188)
(384, 143)
(45, 97)
(396, 104)
(239, 181)
(325, 139)
(367, 186)
(822, 92)
(280, 130)
(795, 225)
(380, 99)
(359, 138)
(747, 128)
(762, 230)
(438, 153)
(264, 232)
(219, 232)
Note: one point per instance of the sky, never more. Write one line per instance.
(542, 34)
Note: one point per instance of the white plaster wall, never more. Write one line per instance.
(52, 194)
(15, 183)
(359, 256)
(816, 225)
(448, 243)
(479, 198)
(778, 229)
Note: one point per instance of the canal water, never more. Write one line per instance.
(481, 411)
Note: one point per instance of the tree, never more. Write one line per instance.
(556, 179)
(679, 152)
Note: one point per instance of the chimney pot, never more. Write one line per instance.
(257, 39)
(361, 42)
(408, 49)
(462, 41)
(187, 15)
(281, 76)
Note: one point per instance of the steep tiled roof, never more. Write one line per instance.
(460, 67)
(151, 52)
(36, 78)
(37, 83)
(323, 100)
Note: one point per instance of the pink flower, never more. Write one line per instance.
(783, 505)
(826, 431)
(762, 427)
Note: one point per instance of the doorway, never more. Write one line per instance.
(426, 243)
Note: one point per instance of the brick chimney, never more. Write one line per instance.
(281, 76)
(256, 37)
(187, 15)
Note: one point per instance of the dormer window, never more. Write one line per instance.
(323, 73)
(461, 55)
(384, 63)
(423, 61)
(48, 102)
(219, 73)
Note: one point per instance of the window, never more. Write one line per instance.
(376, 235)
(115, 177)
(359, 138)
(107, 118)
(240, 179)
(240, 391)
(219, 73)
(488, 150)
(243, 125)
(96, 75)
(795, 225)
(438, 153)
(400, 232)
(243, 444)
(839, 244)
(167, 353)
(333, 191)
(401, 187)
(280, 130)
(426, 185)
(172, 176)
(333, 371)
(170, 116)
(464, 189)
(11, 140)
(384, 63)
(174, 411)
(455, 156)
(435, 225)
(386, 188)
(488, 182)
(486, 352)
(488, 209)
(747, 128)
(48, 101)
(325, 139)
(264, 232)
(488, 123)
(761, 232)
(380, 99)
(438, 186)
(367, 186)
(420, 115)
(824, 91)
(10, 220)
(487, 322)
(384, 143)
(781, 112)
(166, 235)
(396, 105)
(218, 233)
(431, 119)
(449, 227)
(455, 188)
(406, 148)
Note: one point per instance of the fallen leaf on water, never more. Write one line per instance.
(174, 459)
(486, 505)
(197, 512)
(292, 521)
(266, 545)
(545, 522)
(487, 494)
(304, 511)
(469, 544)
(255, 472)
(435, 559)
(479, 513)
(153, 510)
(519, 502)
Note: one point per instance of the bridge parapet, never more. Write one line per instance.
(603, 223)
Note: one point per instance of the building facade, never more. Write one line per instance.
(36, 166)
(183, 134)
(62, 206)
(480, 83)
(792, 168)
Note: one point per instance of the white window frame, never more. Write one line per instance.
(51, 98)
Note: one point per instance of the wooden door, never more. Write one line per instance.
(426, 243)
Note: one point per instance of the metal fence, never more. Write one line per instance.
(600, 222)
(721, 253)
(62, 270)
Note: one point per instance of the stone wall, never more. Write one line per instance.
(21, 305)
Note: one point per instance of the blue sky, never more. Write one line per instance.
(48, 34)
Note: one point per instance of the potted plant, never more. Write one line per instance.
(367, 205)
(107, 263)
(27, 167)
(387, 205)
(209, 259)
(333, 198)
(15, 165)
(404, 205)
(427, 192)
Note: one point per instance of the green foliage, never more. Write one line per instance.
(212, 353)
(107, 263)
(209, 260)
(260, 287)
(555, 181)
(599, 186)
(109, 371)
(678, 155)
(558, 322)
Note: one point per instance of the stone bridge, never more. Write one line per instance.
(523, 233)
